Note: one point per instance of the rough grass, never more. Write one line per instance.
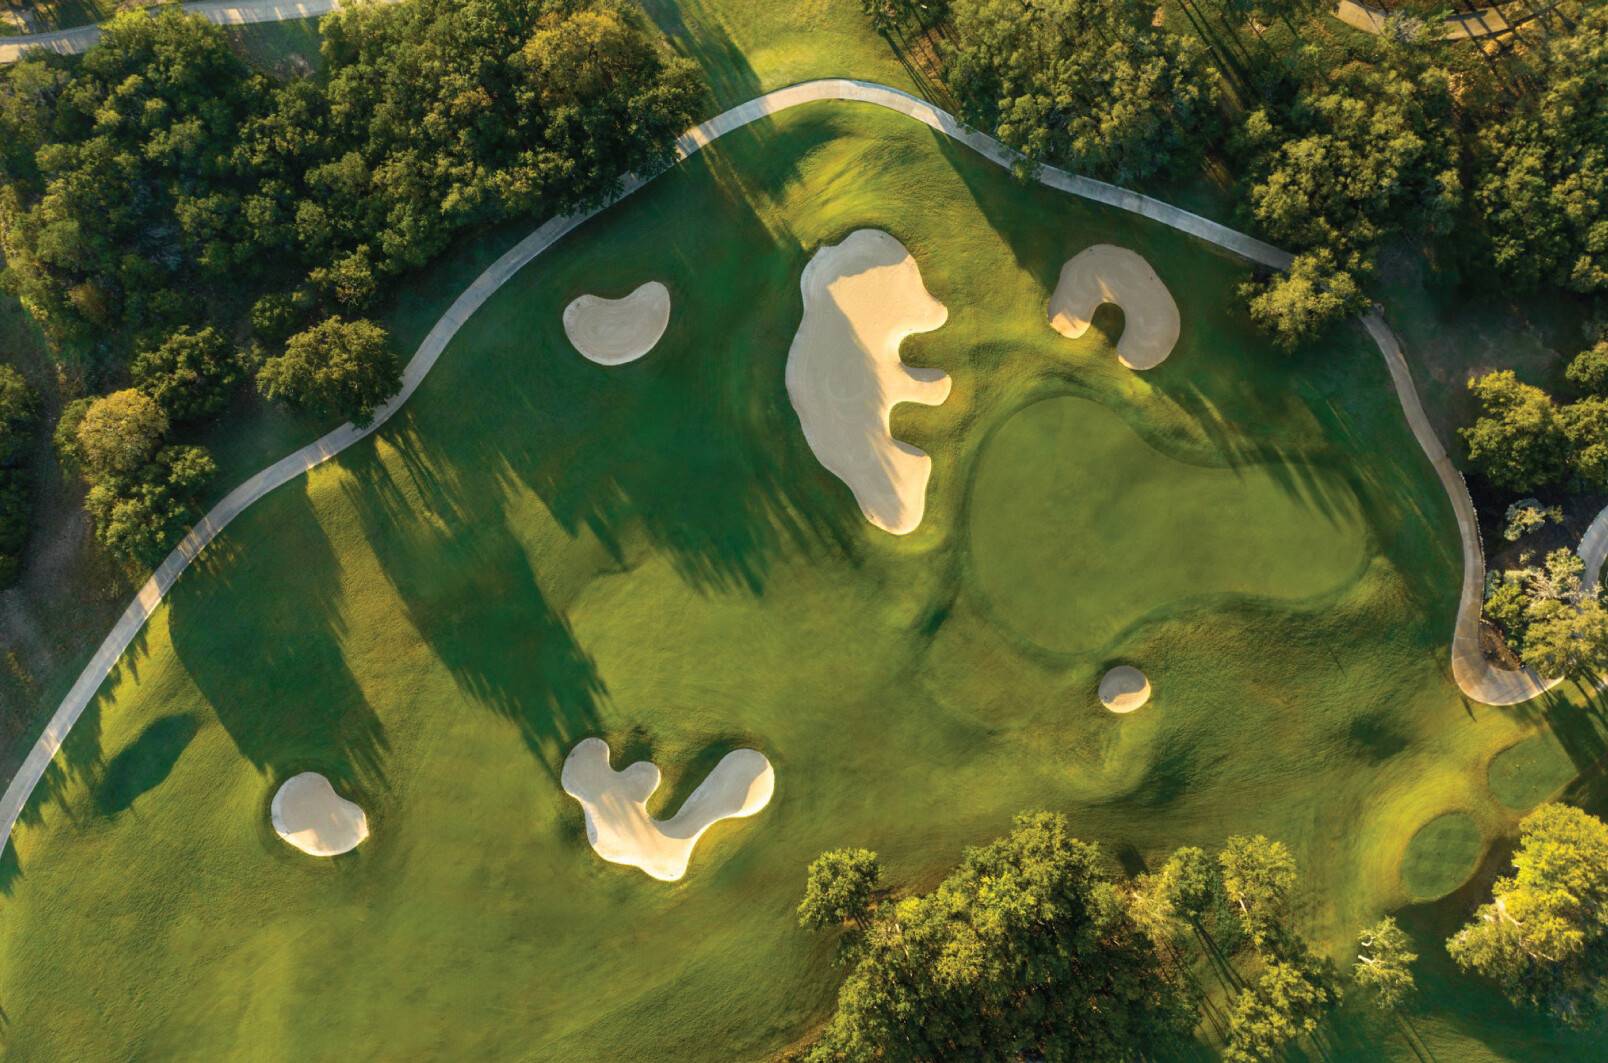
(538, 548)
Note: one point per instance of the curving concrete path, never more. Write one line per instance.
(1477, 678)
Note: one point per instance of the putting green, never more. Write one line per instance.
(1079, 527)
(1528, 773)
(1441, 856)
(537, 549)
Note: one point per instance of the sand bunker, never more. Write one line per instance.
(615, 802)
(616, 331)
(861, 299)
(309, 814)
(1124, 689)
(1107, 274)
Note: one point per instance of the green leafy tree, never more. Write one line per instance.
(1588, 370)
(141, 516)
(841, 889)
(1384, 964)
(119, 433)
(1566, 640)
(1090, 85)
(1026, 951)
(19, 407)
(274, 317)
(1519, 440)
(1544, 937)
(1585, 427)
(1189, 881)
(190, 375)
(1288, 1001)
(335, 367)
(1304, 300)
(1528, 515)
(1259, 877)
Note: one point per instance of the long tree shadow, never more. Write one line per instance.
(262, 636)
(706, 43)
(143, 764)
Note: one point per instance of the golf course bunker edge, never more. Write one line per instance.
(308, 814)
(1105, 273)
(615, 803)
(617, 331)
(862, 297)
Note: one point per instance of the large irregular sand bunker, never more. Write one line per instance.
(862, 297)
(616, 331)
(309, 814)
(1124, 688)
(1107, 274)
(615, 803)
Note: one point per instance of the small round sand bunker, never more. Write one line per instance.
(309, 814)
(1105, 273)
(616, 331)
(1124, 689)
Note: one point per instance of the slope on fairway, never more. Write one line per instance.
(539, 549)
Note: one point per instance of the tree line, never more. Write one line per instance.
(1034, 949)
(1333, 142)
(178, 223)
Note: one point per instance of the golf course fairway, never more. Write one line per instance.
(538, 549)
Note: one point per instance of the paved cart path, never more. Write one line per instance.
(1476, 676)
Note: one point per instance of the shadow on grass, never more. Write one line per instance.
(706, 43)
(144, 763)
(261, 634)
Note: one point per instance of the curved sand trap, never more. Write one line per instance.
(1107, 274)
(309, 814)
(615, 802)
(1124, 689)
(616, 331)
(861, 298)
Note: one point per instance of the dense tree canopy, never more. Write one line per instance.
(190, 375)
(1544, 937)
(335, 367)
(1091, 85)
(1026, 951)
(1518, 442)
(19, 406)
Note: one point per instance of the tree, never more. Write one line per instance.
(1543, 939)
(19, 406)
(1298, 304)
(1189, 882)
(1519, 440)
(1588, 370)
(1288, 1001)
(142, 515)
(1090, 85)
(842, 885)
(118, 434)
(1259, 877)
(335, 367)
(1026, 949)
(190, 375)
(1566, 640)
(1585, 427)
(1384, 965)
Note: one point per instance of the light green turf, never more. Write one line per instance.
(1441, 856)
(537, 549)
(1530, 772)
(1071, 559)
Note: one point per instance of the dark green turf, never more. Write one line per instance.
(1070, 559)
(538, 549)
(1441, 856)
(1530, 772)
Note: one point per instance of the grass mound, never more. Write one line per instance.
(1070, 559)
(1441, 856)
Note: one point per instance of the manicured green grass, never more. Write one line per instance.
(1530, 772)
(1441, 856)
(538, 549)
(1070, 559)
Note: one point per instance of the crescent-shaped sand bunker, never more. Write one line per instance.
(1105, 273)
(309, 814)
(616, 805)
(616, 331)
(862, 297)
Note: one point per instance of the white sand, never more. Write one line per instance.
(1124, 689)
(1107, 274)
(309, 814)
(616, 331)
(616, 805)
(861, 299)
